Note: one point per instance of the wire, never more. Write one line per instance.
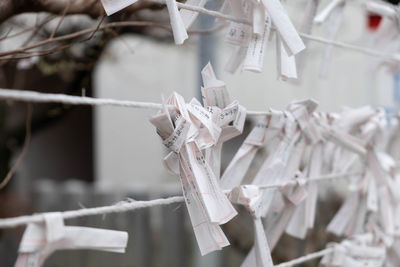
(30, 96)
(129, 206)
(304, 181)
(307, 257)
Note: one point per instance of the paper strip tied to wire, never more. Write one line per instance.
(260, 255)
(42, 239)
(177, 24)
(357, 251)
(251, 41)
(186, 131)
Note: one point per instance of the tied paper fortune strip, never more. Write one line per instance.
(358, 251)
(284, 26)
(334, 12)
(186, 131)
(228, 116)
(285, 159)
(266, 129)
(188, 16)
(372, 195)
(286, 62)
(251, 40)
(240, 163)
(260, 255)
(40, 240)
(257, 46)
(177, 24)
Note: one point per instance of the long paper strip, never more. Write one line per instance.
(254, 59)
(209, 236)
(177, 24)
(240, 163)
(41, 240)
(286, 63)
(208, 206)
(188, 16)
(284, 26)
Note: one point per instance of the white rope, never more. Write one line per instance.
(371, 52)
(120, 207)
(129, 206)
(304, 181)
(30, 96)
(36, 97)
(307, 257)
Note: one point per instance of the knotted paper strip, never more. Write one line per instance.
(186, 130)
(177, 23)
(228, 116)
(259, 255)
(359, 251)
(254, 60)
(42, 239)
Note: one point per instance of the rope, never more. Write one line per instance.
(130, 206)
(307, 257)
(304, 181)
(30, 96)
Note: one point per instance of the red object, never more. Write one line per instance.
(373, 21)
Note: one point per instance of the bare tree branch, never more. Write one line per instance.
(92, 8)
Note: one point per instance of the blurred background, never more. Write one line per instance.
(79, 156)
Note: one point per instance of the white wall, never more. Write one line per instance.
(127, 148)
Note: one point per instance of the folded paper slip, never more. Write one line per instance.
(41, 240)
(177, 23)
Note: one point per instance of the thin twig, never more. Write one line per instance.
(96, 29)
(116, 35)
(83, 32)
(64, 12)
(208, 31)
(7, 35)
(47, 20)
(24, 148)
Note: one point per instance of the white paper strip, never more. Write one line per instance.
(254, 59)
(286, 64)
(188, 16)
(324, 14)
(261, 247)
(214, 92)
(335, 21)
(258, 18)
(284, 26)
(238, 34)
(344, 215)
(240, 163)
(113, 6)
(209, 236)
(235, 60)
(178, 27)
(41, 240)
